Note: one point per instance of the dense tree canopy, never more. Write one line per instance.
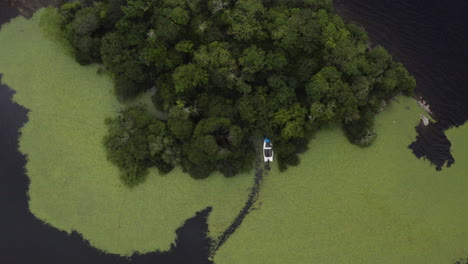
(228, 71)
(136, 141)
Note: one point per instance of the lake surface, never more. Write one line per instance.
(429, 37)
(24, 239)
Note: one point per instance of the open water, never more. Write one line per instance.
(429, 36)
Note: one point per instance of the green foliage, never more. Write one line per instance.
(185, 46)
(188, 77)
(218, 144)
(179, 123)
(291, 121)
(361, 132)
(122, 60)
(179, 16)
(215, 105)
(80, 26)
(252, 60)
(255, 114)
(246, 21)
(136, 141)
(50, 23)
(227, 71)
(164, 97)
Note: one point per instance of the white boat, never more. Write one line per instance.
(267, 150)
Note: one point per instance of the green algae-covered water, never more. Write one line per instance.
(346, 204)
(72, 185)
(343, 204)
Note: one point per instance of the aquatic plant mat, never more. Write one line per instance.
(343, 204)
(73, 186)
(346, 204)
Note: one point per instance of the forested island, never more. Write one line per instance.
(399, 207)
(226, 73)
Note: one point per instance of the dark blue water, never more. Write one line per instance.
(25, 240)
(430, 37)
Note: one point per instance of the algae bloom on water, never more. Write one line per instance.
(72, 185)
(343, 204)
(346, 204)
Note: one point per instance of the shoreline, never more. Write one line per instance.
(28, 231)
(7, 13)
(27, 8)
(79, 238)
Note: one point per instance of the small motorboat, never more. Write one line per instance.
(267, 150)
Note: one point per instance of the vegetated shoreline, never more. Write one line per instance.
(191, 245)
(383, 190)
(243, 212)
(253, 196)
(241, 216)
(20, 97)
(28, 7)
(431, 142)
(208, 247)
(215, 102)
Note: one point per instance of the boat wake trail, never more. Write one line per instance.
(260, 173)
